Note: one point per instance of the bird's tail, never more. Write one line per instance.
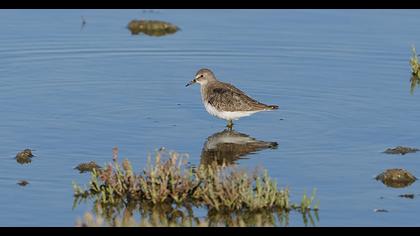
(273, 107)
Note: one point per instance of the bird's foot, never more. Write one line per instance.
(230, 125)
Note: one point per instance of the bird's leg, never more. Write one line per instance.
(229, 125)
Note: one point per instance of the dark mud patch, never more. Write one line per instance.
(88, 167)
(409, 195)
(380, 210)
(401, 150)
(22, 183)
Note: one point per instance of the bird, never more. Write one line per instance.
(224, 100)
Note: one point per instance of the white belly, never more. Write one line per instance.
(227, 115)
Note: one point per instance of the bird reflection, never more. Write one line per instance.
(228, 146)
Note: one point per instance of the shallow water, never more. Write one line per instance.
(340, 77)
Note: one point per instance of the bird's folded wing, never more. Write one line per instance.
(229, 98)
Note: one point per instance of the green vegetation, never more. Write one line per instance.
(414, 62)
(165, 184)
(415, 71)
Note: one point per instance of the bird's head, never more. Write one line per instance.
(203, 76)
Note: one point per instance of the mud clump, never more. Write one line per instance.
(396, 178)
(380, 210)
(88, 167)
(400, 150)
(23, 182)
(152, 27)
(408, 195)
(24, 156)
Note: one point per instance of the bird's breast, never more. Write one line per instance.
(211, 109)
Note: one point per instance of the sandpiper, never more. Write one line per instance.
(224, 100)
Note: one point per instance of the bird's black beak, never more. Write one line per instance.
(191, 82)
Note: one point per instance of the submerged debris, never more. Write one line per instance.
(83, 23)
(23, 182)
(151, 27)
(87, 167)
(396, 178)
(24, 156)
(409, 195)
(400, 150)
(150, 11)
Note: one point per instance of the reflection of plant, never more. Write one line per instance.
(413, 82)
(173, 182)
(415, 71)
(183, 216)
(306, 202)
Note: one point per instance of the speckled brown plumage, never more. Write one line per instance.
(226, 97)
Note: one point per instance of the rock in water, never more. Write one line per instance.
(151, 27)
(400, 150)
(396, 178)
(24, 156)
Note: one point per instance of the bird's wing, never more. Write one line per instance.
(229, 98)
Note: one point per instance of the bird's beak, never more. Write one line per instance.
(191, 82)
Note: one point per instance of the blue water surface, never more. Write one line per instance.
(340, 77)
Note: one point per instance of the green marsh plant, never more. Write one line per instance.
(169, 181)
(415, 70)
